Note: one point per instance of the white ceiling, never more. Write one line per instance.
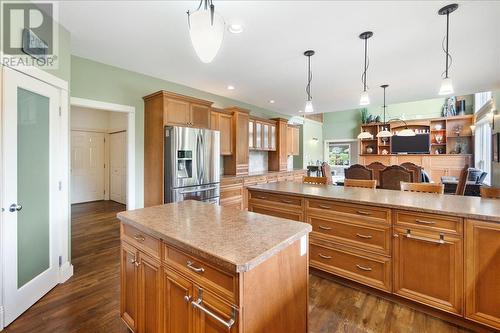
(266, 61)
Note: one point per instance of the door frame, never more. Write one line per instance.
(130, 110)
(63, 225)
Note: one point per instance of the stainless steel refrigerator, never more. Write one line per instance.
(192, 164)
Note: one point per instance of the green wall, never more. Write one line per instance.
(495, 166)
(105, 83)
(64, 69)
(341, 125)
(311, 149)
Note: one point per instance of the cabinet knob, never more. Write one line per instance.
(187, 298)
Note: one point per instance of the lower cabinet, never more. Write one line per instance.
(178, 294)
(482, 272)
(428, 268)
(129, 284)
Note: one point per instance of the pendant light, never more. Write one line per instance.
(309, 106)
(206, 29)
(446, 84)
(384, 133)
(365, 99)
(365, 135)
(406, 131)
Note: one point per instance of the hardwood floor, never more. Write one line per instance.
(89, 301)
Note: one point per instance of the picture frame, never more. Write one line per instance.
(495, 143)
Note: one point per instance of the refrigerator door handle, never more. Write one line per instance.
(202, 157)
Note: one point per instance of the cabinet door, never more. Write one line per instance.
(206, 321)
(272, 137)
(149, 295)
(428, 271)
(295, 141)
(226, 134)
(258, 135)
(178, 294)
(482, 272)
(129, 285)
(200, 116)
(214, 120)
(265, 136)
(289, 141)
(251, 138)
(177, 113)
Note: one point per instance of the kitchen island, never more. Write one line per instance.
(438, 253)
(195, 267)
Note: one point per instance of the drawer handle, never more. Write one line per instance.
(263, 198)
(424, 222)
(363, 212)
(324, 206)
(189, 265)
(286, 201)
(425, 239)
(135, 262)
(324, 257)
(324, 228)
(368, 269)
(199, 305)
(139, 238)
(364, 236)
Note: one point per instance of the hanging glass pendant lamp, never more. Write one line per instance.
(206, 29)
(309, 105)
(446, 84)
(365, 99)
(384, 133)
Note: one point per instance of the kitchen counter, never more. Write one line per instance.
(263, 173)
(236, 240)
(467, 207)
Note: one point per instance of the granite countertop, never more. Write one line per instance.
(262, 173)
(237, 240)
(467, 207)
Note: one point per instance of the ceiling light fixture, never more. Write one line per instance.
(406, 131)
(309, 105)
(365, 135)
(384, 133)
(235, 28)
(206, 29)
(365, 99)
(446, 84)
(230, 87)
(271, 101)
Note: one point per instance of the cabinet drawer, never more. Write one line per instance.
(432, 222)
(255, 180)
(359, 266)
(369, 237)
(227, 181)
(295, 215)
(141, 240)
(232, 203)
(350, 210)
(233, 191)
(290, 201)
(202, 272)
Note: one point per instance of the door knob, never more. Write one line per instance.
(15, 208)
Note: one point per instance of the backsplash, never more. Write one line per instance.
(257, 161)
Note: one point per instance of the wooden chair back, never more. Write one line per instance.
(358, 171)
(490, 192)
(371, 183)
(422, 187)
(462, 181)
(376, 167)
(392, 176)
(314, 180)
(417, 171)
(326, 171)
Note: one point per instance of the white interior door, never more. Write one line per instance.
(32, 162)
(87, 166)
(118, 167)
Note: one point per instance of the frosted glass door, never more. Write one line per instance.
(30, 131)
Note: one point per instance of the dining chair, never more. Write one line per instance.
(326, 171)
(365, 183)
(314, 180)
(358, 171)
(462, 181)
(392, 176)
(376, 167)
(422, 187)
(490, 192)
(416, 169)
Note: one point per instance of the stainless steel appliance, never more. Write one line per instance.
(192, 164)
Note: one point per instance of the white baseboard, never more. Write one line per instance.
(65, 272)
(1, 318)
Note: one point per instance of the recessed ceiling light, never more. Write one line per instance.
(235, 28)
(271, 101)
(300, 111)
(230, 87)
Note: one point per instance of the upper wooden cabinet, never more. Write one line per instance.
(261, 134)
(237, 162)
(292, 140)
(278, 158)
(222, 122)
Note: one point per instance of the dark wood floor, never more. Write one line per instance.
(89, 301)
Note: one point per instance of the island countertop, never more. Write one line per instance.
(466, 207)
(238, 240)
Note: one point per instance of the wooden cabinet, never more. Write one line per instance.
(237, 162)
(278, 159)
(292, 140)
(287, 207)
(231, 192)
(150, 276)
(222, 122)
(129, 280)
(176, 112)
(199, 116)
(258, 135)
(178, 294)
(210, 303)
(428, 268)
(262, 134)
(251, 135)
(482, 272)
